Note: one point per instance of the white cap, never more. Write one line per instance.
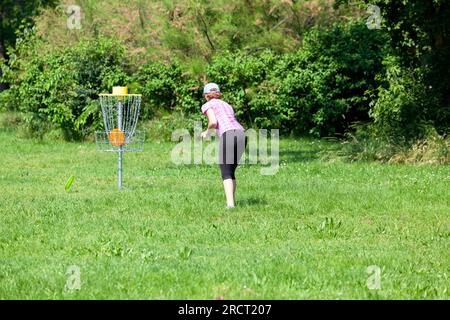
(211, 87)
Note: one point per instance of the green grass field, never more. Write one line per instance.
(308, 232)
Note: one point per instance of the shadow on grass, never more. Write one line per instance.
(305, 151)
(300, 155)
(251, 202)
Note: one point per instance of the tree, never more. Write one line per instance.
(14, 13)
(417, 32)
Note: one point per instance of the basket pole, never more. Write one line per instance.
(119, 125)
(120, 113)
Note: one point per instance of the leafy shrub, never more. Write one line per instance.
(405, 104)
(165, 87)
(252, 84)
(322, 88)
(157, 82)
(59, 90)
(161, 127)
(239, 76)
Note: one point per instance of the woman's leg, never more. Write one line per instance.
(226, 169)
(234, 148)
(240, 143)
(229, 193)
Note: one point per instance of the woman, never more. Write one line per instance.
(232, 137)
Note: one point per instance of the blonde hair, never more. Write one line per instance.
(213, 95)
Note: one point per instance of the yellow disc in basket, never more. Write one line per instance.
(116, 137)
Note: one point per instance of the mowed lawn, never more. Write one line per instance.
(309, 232)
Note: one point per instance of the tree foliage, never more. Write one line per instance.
(417, 82)
(59, 90)
(301, 66)
(13, 14)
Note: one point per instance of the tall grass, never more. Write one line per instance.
(364, 144)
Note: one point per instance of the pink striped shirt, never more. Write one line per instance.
(224, 114)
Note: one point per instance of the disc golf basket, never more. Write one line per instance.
(120, 115)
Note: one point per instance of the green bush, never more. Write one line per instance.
(239, 76)
(405, 104)
(320, 89)
(161, 127)
(59, 90)
(416, 88)
(157, 82)
(324, 86)
(165, 87)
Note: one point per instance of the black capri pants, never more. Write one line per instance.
(232, 146)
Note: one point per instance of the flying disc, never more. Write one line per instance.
(117, 137)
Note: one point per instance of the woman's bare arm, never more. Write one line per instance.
(212, 123)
